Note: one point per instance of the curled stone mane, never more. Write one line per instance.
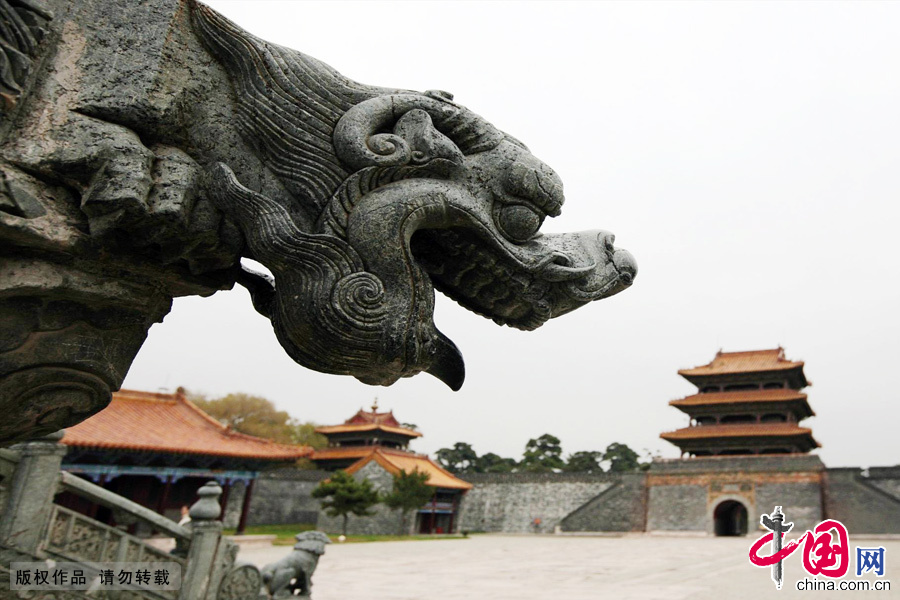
(146, 148)
(287, 102)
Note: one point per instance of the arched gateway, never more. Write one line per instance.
(730, 518)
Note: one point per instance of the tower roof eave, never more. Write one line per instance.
(738, 430)
(757, 362)
(352, 428)
(752, 400)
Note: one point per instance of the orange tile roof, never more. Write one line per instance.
(782, 395)
(744, 362)
(341, 452)
(738, 430)
(347, 428)
(394, 461)
(170, 423)
(370, 421)
(362, 416)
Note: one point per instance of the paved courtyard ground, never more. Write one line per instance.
(498, 567)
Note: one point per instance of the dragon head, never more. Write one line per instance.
(408, 192)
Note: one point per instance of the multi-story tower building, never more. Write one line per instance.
(747, 403)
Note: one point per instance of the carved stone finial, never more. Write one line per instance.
(207, 507)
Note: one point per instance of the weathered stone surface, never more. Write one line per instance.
(801, 501)
(146, 147)
(673, 496)
(683, 494)
(279, 497)
(511, 502)
(864, 504)
(622, 507)
(677, 508)
(292, 575)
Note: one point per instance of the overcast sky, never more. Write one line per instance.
(745, 153)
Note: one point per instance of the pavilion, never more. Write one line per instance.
(157, 449)
(375, 445)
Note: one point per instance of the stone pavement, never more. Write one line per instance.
(506, 567)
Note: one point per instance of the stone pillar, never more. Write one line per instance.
(202, 556)
(24, 520)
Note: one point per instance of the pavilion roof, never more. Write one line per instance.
(394, 461)
(370, 421)
(325, 430)
(752, 361)
(172, 424)
(700, 432)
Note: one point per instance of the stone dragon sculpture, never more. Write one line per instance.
(141, 163)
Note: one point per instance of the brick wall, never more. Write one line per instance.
(278, 498)
(683, 494)
(864, 503)
(509, 502)
(677, 508)
(675, 495)
(621, 507)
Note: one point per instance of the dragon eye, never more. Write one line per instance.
(519, 223)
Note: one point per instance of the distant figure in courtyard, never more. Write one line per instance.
(185, 515)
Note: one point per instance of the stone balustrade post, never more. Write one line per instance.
(198, 581)
(23, 523)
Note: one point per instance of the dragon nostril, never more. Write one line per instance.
(561, 260)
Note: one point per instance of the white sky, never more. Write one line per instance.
(747, 155)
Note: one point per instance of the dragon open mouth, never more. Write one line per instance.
(514, 292)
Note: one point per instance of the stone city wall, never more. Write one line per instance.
(621, 507)
(280, 497)
(672, 496)
(683, 494)
(865, 502)
(510, 502)
(887, 479)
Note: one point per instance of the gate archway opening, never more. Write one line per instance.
(730, 518)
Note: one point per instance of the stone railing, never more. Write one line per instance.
(33, 528)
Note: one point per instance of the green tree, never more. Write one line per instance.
(494, 463)
(305, 435)
(257, 416)
(461, 458)
(345, 496)
(543, 454)
(585, 461)
(411, 492)
(248, 414)
(621, 458)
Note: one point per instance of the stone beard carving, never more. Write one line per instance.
(137, 175)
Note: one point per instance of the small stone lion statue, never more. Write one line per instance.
(292, 575)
